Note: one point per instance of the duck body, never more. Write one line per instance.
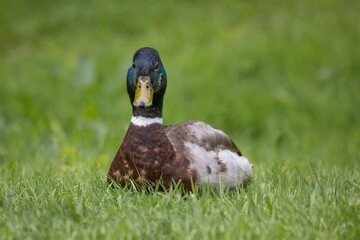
(147, 155)
(211, 153)
(191, 152)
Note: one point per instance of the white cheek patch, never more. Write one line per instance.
(223, 166)
(144, 121)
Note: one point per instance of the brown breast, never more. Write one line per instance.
(146, 155)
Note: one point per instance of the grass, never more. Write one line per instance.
(282, 79)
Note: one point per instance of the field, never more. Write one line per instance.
(282, 78)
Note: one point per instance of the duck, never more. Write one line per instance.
(192, 152)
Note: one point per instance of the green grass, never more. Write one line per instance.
(281, 78)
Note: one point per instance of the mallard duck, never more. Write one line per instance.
(192, 152)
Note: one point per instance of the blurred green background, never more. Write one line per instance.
(280, 77)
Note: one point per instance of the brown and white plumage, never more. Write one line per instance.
(210, 152)
(191, 152)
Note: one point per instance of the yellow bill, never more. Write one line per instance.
(143, 92)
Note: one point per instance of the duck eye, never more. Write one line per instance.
(133, 66)
(156, 66)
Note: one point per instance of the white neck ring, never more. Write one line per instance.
(144, 121)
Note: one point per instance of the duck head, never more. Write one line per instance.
(146, 83)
